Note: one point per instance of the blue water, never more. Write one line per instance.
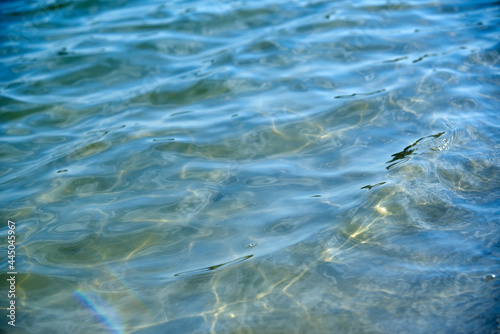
(251, 166)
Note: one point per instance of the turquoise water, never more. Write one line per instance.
(251, 166)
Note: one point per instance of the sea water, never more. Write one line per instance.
(250, 166)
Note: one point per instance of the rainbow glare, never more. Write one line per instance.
(102, 309)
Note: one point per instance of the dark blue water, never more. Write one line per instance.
(250, 166)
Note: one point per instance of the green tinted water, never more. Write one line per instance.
(251, 167)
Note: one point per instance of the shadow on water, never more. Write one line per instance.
(213, 268)
(418, 147)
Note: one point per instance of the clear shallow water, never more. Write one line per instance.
(251, 167)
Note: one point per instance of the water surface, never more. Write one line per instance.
(251, 166)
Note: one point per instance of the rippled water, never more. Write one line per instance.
(251, 166)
